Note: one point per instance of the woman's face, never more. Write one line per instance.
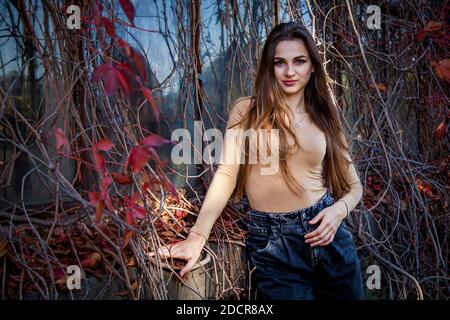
(292, 66)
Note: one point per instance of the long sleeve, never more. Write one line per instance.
(225, 177)
(352, 197)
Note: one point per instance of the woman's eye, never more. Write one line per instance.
(280, 63)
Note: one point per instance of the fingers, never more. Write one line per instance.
(168, 251)
(329, 241)
(191, 262)
(320, 229)
(313, 240)
(317, 218)
(328, 238)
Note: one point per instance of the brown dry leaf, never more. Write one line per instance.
(442, 69)
(433, 26)
(166, 234)
(131, 262)
(440, 132)
(380, 86)
(92, 260)
(3, 248)
(127, 238)
(61, 281)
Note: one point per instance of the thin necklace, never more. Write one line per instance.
(297, 123)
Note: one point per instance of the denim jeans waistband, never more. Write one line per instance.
(291, 216)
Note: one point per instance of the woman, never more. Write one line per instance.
(298, 243)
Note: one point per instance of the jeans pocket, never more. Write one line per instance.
(258, 239)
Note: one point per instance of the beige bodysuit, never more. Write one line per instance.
(269, 192)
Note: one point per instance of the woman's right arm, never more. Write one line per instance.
(219, 192)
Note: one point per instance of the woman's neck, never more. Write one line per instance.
(296, 102)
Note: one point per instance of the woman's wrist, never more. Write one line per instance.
(197, 235)
(343, 208)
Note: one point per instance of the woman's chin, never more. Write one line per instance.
(290, 90)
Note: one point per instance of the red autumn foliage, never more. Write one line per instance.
(128, 8)
(109, 26)
(121, 178)
(155, 141)
(112, 78)
(103, 145)
(91, 260)
(442, 69)
(430, 27)
(148, 96)
(123, 44)
(140, 64)
(137, 159)
(440, 131)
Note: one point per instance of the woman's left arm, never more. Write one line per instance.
(351, 199)
(331, 217)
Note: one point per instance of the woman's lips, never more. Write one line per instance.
(290, 82)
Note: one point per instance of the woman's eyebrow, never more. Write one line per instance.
(279, 58)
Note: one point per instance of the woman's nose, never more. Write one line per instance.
(289, 70)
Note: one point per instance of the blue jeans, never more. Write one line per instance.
(285, 267)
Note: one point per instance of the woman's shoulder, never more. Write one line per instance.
(239, 109)
(242, 104)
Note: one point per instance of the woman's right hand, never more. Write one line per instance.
(189, 249)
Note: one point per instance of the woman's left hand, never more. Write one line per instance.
(330, 217)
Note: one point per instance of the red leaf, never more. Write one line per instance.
(129, 216)
(110, 83)
(168, 186)
(139, 212)
(112, 78)
(127, 238)
(127, 69)
(99, 162)
(106, 182)
(109, 27)
(58, 273)
(380, 86)
(123, 80)
(128, 8)
(61, 142)
(100, 71)
(433, 26)
(103, 145)
(92, 260)
(134, 198)
(126, 46)
(137, 159)
(421, 35)
(148, 96)
(155, 140)
(180, 214)
(121, 178)
(99, 211)
(442, 69)
(440, 131)
(140, 63)
(94, 197)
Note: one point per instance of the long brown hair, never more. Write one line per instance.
(268, 110)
